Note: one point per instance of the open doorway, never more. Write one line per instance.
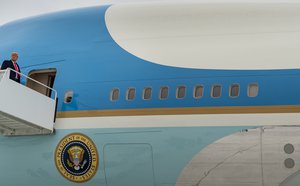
(44, 76)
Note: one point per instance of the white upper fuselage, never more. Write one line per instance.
(210, 36)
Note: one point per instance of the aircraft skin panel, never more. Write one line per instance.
(181, 155)
(31, 158)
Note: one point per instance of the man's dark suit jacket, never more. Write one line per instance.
(9, 64)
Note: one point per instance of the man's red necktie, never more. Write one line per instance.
(16, 69)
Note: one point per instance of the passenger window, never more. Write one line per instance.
(130, 94)
(234, 90)
(252, 90)
(198, 91)
(68, 97)
(147, 94)
(164, 93)
(115, 93)
(180, 93)
(216, 91)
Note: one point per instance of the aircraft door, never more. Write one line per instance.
(44, 76)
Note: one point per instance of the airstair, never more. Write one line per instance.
(24, 111)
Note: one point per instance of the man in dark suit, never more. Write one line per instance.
(12, 64)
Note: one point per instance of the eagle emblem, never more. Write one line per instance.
(76, 158)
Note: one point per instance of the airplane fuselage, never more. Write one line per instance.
(155, 105)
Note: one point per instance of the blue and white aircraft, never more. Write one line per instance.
(154, 95)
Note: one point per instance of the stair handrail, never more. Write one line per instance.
(8, 70)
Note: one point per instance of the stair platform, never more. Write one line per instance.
(24, 111)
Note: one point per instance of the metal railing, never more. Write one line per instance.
(6, 73)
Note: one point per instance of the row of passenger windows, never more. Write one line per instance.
(216, 92)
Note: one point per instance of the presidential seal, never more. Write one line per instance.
(76, 158)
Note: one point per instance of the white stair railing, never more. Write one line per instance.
(24, 111)
(4, 73)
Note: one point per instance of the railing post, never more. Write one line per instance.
(55, 112)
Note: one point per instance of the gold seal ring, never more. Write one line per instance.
(76, 158)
